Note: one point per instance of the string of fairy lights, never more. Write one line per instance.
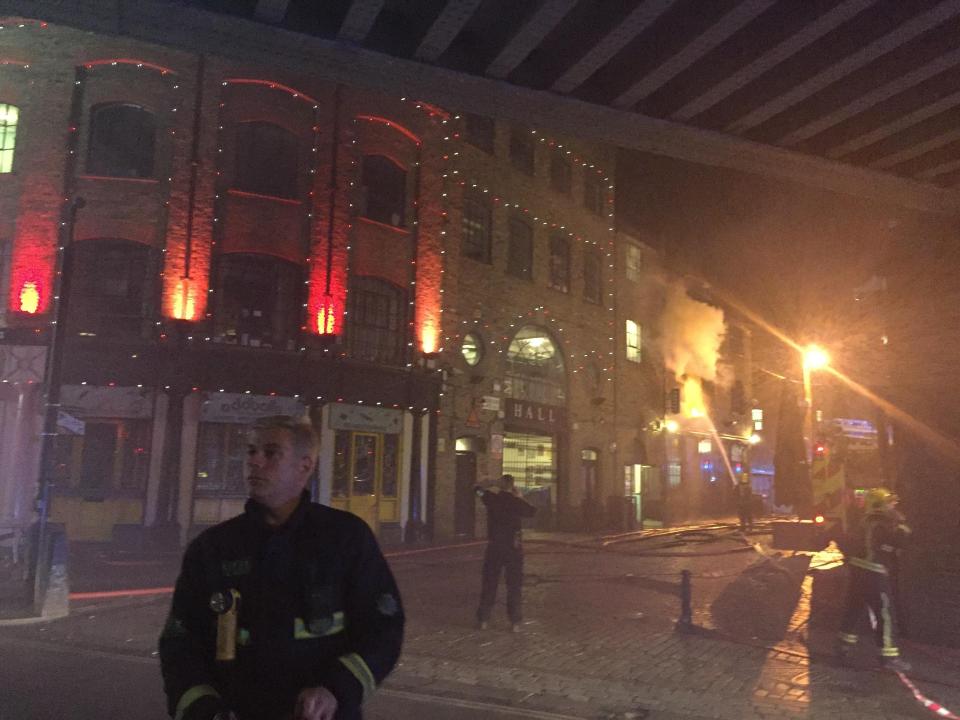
(540, 313)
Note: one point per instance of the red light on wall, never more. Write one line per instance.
(29, 298)
(184, 300)
(327, 317)
(428, 337)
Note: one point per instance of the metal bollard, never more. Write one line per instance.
(685, 623)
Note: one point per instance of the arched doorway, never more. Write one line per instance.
(535, 418)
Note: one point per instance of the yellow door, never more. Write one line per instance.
(366, 476)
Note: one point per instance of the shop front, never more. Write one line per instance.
(104, 466)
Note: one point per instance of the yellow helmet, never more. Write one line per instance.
(878, 500)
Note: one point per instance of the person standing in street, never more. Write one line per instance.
(871, 551)
(286, 612)
(505, 512)
(745, 503)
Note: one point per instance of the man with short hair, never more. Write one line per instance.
(288, 611)
(505, 512)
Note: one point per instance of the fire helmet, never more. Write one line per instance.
(878, 500)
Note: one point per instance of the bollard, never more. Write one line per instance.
(685, 623)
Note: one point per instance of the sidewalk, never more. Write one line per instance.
(599, 639)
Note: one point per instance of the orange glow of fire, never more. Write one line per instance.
(29, 298)
(326, 319)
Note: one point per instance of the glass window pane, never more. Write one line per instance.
(267, 160)
(135, 438)
(559, 264)
(385, 189)
(122, 140)
(364, 465)
(9, 116)
(391, 465)
(341, 464)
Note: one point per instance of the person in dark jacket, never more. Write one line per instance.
(286, 612)
(871, 552)
(505, 512)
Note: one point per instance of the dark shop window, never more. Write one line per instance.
(376, 322)
(258, 301)
(479, 131)
(522, 147)
(591, 274)
(560, 174)
(384, 190)
(520, 253)
(122, 141)
(477, 226)
(267, 160)
(560, 263)
(593, 192)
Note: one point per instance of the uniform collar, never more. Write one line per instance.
(255, 511)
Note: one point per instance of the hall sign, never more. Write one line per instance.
(535, 415)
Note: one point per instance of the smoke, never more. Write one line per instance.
(692, 334)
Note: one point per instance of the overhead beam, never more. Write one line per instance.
(271, 11)
(738, 18)
(788, 48)
(892, 40)
(942, 169)
(359, 20)
(642, 17)
(895, 126)
(449, 23)
(285, 52)
(545, 19)
(874, 97)
(915, 151)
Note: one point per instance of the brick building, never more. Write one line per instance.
(446, 295)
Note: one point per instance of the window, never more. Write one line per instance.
(221, 452)
(111, 289)
(267, 161)
(479, 131)
(111, 454)
(9, 115)
(593, 192)
(535, 368)
(258, 301)
(560, 173)
(634, 262)
(384, 190)
(591, 275)
(522, 145)
(559, 264)
(477, 221)
(376, 323)
(471, 349)
(122, 139)
(520, 254)
(633, 341)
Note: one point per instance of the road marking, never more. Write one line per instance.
(76, 650)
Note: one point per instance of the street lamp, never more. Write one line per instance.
(814, 358)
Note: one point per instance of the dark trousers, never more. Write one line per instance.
(745, 511)
(869, 589)
(496, 559)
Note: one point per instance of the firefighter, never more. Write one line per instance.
(871, 552)
(286, 611)
(745, 503)
(505, 512)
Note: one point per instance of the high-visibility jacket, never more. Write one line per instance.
(318, 607)
(876, 541)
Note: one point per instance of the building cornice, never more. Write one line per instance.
(168, 24)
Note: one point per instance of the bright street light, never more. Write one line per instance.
(754, 439)
(815, 357)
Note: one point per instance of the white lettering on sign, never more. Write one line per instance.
(535, 413)
(242, 408)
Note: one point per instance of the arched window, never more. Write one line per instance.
(111, 288)
(384, 190)
(535, 368)
(258, 301)
(267, 160)
(376, 320)
(9, 116)
(122, 141)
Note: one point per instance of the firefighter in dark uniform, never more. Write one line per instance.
(871, 552)
(505, 512)
(287, 612)
(745, 502)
